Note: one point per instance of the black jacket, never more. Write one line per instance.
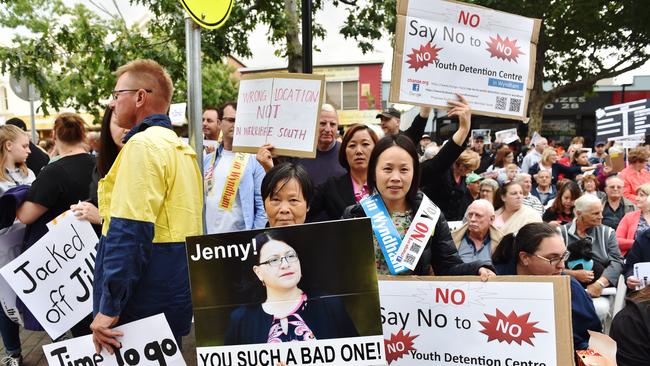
(437, 182)
(331, 198)
(326, 317)
(37, 159)
(440, 251)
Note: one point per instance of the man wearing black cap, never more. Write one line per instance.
(487, 158)
(390, 121)
(599, 155)
(37, 159)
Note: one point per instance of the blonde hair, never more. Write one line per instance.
(470, 159)
(152, 74)
(546, 154)
(645, 188)
(9, 133)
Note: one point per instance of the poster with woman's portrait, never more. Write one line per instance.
(298, 295)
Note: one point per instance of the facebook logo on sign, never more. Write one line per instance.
(416, 87)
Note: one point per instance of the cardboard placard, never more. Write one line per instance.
(446, 47)
(54, 276)
(177, 114)
(327, 270)
(461, 320)
(615, 160)
(281, 109)
(486, 133)
(147, 341)
(506, 136)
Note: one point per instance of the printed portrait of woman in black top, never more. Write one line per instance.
(283, 308)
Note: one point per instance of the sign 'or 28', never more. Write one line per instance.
(209, 14)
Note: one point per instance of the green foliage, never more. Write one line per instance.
(71, 61)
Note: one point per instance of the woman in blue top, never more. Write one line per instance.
(538, 250)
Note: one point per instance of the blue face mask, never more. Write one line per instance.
(587, 265)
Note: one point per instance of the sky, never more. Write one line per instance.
(334, 48)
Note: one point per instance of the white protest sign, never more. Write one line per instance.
(445, 47)
(482, 132)
(147, 341)
(513, 320)
(54, 276)
(177, 113)
(642, 273)
(506, 136)
(279, 109)
(11, 244)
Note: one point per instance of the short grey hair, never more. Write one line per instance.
(489, 182)
(519, 177)
(584, 201)
(483, 203)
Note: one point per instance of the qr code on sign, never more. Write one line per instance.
(515, 105)
(409, 259)
(501, 103)
(415, 248)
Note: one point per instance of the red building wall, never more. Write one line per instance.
(630, 96)
(370, 74)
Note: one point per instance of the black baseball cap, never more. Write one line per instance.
(389, 112)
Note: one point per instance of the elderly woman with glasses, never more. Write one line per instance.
(282, 308)
(538, 250)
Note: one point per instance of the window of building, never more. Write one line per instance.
(343, 94)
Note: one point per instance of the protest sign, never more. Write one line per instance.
(11, 244)
(506, 136)
(147, 341)
(445, 47)
(625, 121)
(507, 321)
(326, 270)
(483, 132)
(177, 113)
(279, 109)
(54, 276)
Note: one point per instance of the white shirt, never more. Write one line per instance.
(217, 219)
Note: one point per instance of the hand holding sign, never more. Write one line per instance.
(103, 336)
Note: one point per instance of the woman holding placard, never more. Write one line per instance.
(393, 176)
(538, 250)
(59, 184)
(287, 192)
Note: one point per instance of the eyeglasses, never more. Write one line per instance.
(116, 93)
(555, 261)
(277, 262)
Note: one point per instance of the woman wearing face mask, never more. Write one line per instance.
(538, 250)
(337, 193)
(282, 309)
(393, 176)
(511, 212)
(287, 192)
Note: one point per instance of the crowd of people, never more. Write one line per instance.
(528, 208)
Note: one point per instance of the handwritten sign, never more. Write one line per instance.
(511, 320)
(148, 341)
(54, 276)
(280, 109)
(177, 114)
(446, 47)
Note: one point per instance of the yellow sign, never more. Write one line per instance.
(366, 116)
(209, 14)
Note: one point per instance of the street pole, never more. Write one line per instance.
(194, 94)
(307, 63)
(31, 94)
